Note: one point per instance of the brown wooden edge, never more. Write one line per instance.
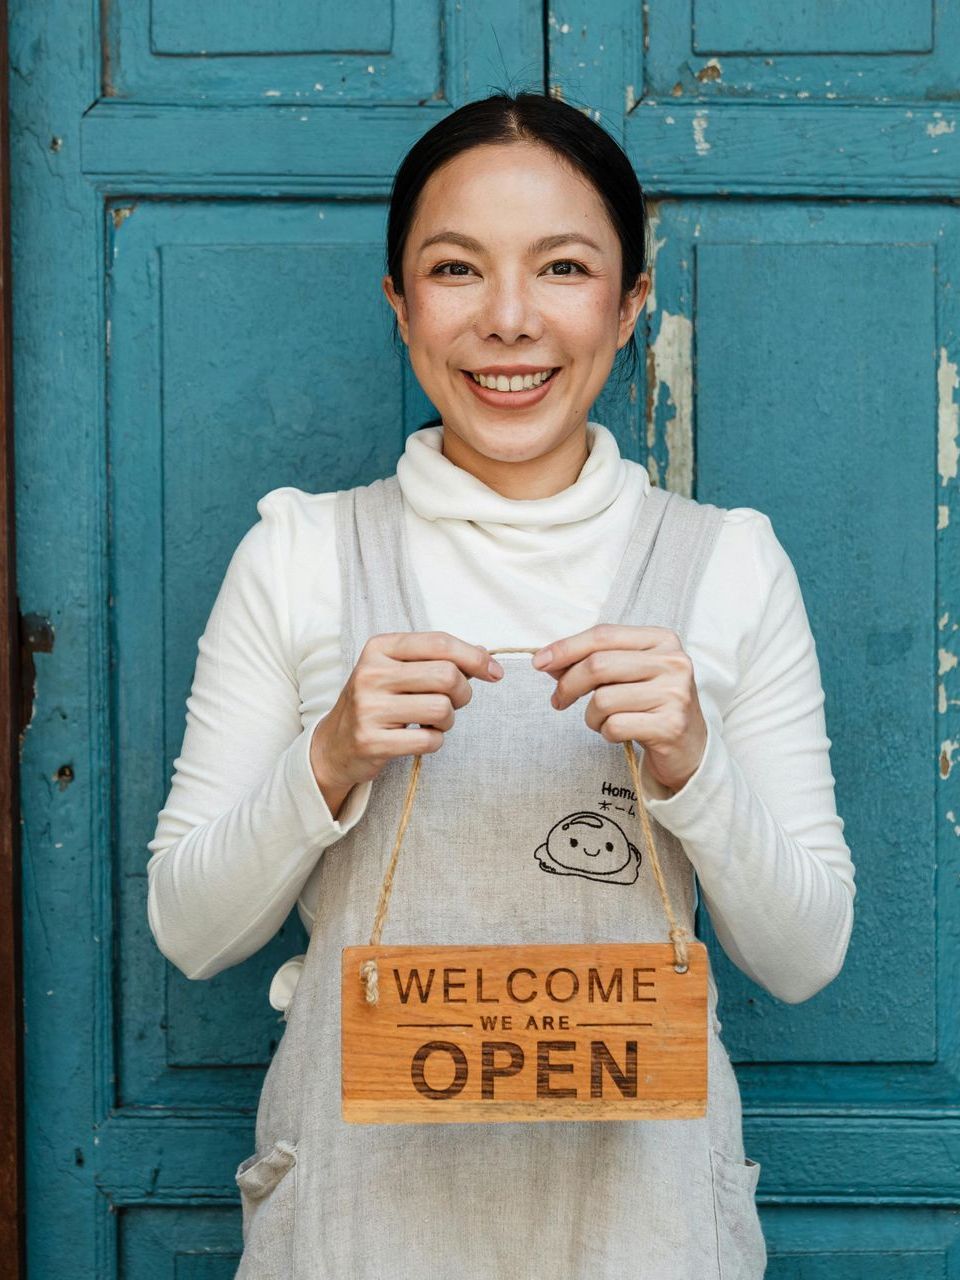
(12, 1228)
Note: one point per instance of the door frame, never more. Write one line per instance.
(15, 634)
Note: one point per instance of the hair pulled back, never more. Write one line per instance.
(526, 117)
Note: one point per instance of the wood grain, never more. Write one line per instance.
(596, 1031)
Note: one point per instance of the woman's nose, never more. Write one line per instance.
(509, 311)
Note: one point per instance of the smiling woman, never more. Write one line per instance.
(345, 644)
(485, 292)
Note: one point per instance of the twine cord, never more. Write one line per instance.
(679, 935)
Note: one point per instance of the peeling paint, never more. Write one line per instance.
(631, 100)
(948, 661)
(710, 71)
(943, 620)
(941, 126)
(948, 418)
(943, 516)
(946, 756)
(653, 221)
(36, 636)
(120, 213)
(699, 131)
(670, 364)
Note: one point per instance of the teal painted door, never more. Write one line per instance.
(802, 352)
(198, 219)
(200, 209)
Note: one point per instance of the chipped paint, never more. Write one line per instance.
(943, 516)
(946, 756)
(948, 661)
(948, 418)
(120, 213)
(710, 71)
(941, 126)
(653, 222)
(36, 636)
(943, 620)
(670, 368)
(630, 98)
(700, 119)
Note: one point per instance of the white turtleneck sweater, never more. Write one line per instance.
(245, 822)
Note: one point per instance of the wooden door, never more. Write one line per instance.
(802, 163)
(199, 205)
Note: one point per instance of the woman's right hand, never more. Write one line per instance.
(401, 678)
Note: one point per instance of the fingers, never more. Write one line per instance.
(429, 646)
(599, 669)
(432, 710)
(430, 677)
(559, 654)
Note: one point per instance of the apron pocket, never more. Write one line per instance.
(741, 1249)
(268, 1196)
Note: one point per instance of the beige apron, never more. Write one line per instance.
(487, 858)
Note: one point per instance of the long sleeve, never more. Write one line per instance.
(758, 818)
(245, 821)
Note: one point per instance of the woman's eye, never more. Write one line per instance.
(439, 270)
(567, 262)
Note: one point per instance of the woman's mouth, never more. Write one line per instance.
(502, 398)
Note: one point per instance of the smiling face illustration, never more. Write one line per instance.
(590, 845)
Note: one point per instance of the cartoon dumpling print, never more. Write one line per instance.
(589, 845)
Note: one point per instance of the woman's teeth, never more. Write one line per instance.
(519, 382)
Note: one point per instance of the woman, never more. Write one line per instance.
(353, 631)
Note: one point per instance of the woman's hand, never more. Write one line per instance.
(643, 689)
(401, 678)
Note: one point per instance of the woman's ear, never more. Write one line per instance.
(631, 307)
(399, 304)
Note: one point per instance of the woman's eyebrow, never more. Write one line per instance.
(543, 245)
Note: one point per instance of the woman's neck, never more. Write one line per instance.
(539, 477)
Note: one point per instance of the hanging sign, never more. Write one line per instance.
(605, 1031)
(576, 1031)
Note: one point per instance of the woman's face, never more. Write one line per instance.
(512, 266)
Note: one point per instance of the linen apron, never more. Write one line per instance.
(488, 858)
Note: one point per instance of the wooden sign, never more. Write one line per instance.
(604, 1031)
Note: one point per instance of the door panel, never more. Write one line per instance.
(216, 398)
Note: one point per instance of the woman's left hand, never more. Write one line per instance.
(643, 689)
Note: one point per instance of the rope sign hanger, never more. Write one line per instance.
(679, 935)
(627, 1041)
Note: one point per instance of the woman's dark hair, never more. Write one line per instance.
(527, 117)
